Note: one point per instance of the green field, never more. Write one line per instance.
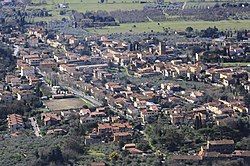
(236, 64)
(87, 103)
(85, 5)
(93, 5)
(177, 25)
(95, 153)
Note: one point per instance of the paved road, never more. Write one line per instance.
(95, 102)
(35, 126)
(184, 5)
(120, 113)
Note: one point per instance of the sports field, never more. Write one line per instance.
(65, 104)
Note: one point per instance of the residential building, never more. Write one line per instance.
(15, 122)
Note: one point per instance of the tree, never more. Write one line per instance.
(197, 122)
(75, 144)
(244, 144)
(144, 146)
(189, 29)
(243, 125)
(62, 12)
(225, 132)
(165, 137)
(247, 100)
(210, 32)
(73, 148)
(51, 155)
(114, 156)
(121, 144)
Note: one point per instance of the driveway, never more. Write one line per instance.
(35, 126)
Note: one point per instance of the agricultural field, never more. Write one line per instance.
(93, 5)
(112, 5)
(83, 6)
(236, 64)
(176, 25)
(199, 4)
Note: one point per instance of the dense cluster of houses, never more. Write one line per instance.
(215, 150)
(144, 59)
(100, 67)
(110, 132)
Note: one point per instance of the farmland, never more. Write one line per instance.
(94, 5)
(177, 25)
(236, 64)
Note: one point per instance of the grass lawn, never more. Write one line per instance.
(87, 103)
(42, 110)
(235, 64)
(126, 72)
(93, 5)
(95, 153)
(200, 4)
(177, 25)
(46, 19)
